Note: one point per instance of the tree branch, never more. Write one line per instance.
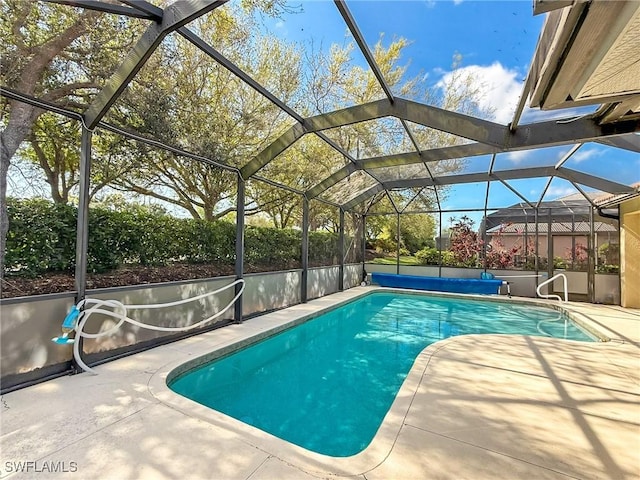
(65, 90)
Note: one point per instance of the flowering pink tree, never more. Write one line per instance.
(579, 255)
(466, 245)
(501, 257)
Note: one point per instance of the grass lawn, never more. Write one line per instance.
(404, 260)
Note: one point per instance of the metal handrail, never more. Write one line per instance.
(560, 317)
(564, 281)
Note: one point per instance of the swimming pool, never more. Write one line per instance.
(327, 384)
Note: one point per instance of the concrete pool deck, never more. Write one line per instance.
(476, 406)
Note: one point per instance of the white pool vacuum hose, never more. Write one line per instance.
(79, 315)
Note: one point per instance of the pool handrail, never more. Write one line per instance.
(554, 296)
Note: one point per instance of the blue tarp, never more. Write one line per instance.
(438, 284)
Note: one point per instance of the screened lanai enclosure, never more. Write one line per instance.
(156, 150)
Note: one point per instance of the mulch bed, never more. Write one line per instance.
(64, 282)
(13, 286)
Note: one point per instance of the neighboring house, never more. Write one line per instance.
(628, 206)
(568, 219)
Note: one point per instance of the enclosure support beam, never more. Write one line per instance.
(533, 135)
(536, 262)
(514, 174)
(549, 250)
(239, 246)
(145, 7)
(331, 180)
(517, 193)
(592, 181)
(423, 156)
(591, 260)
(362, 197)
(484, 221)
(364, 48)
(440, 243)
(364, 248)
(305, 250)
(432, 155)
(526, 239)
(82, 229)
(573, 241)
(341, 252)
(398, 243)
(451, 122)
(106, 8)
(521, 103)
(629, 142)
(175, 16)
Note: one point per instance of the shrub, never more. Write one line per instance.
(323, 248)
(200, 241)
(466, 244)
(428, 256)
(604, 268)
(280, 248)
(52, 248)
(559, 263)
(42, 238)
(384, 245)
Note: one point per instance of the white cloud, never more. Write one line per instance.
(518, 156)
(499, 88)
(457, 2)
(556, 192)
(582, 155)
(279, 24)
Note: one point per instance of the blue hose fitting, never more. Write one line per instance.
(71, 319)
(68, 325)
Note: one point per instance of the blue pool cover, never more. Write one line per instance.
(438, 284)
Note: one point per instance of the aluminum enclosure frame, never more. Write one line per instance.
(489, 137)
(478, 137)
(486, 137)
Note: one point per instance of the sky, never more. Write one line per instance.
(497, 42)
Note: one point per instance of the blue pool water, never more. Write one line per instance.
(327, 384)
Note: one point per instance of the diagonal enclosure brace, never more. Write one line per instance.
(490, 137)
(175, 16)
(104, 7)
(514, 174)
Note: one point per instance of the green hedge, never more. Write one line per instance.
(42, 238)
(39, 238)
(272, 246)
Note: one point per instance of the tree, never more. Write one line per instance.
(417, 231)
(459, 93)
(206, 109)
(53, 146)
(328, 82)
(497, 255)
(62, 63)
(300, 167)
(466, 245)
(63, 55)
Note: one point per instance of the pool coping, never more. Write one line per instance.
(201, 352)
